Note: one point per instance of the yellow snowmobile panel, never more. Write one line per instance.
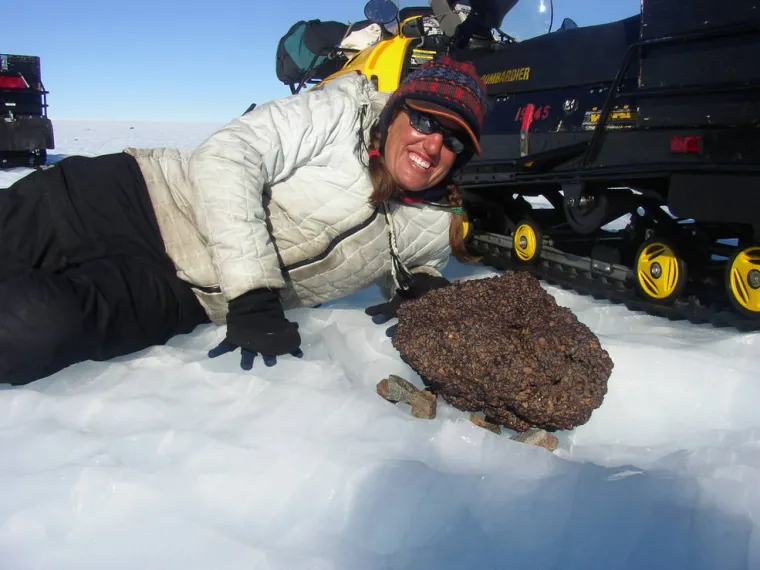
(382, 63)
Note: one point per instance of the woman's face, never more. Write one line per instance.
(417, 161)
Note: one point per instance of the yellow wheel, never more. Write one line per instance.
(660, 272)
(743, 280)
(526, 242)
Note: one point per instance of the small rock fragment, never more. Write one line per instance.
(396, 389)
(538, 437)
(424, 405)
(481, 422)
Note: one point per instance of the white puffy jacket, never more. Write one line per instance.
(278, 198)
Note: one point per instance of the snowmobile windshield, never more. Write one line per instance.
(527, 19)
(519, 19)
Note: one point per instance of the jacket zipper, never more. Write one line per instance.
(339, 238)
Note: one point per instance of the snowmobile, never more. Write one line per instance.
(26, 132)
(620, 160)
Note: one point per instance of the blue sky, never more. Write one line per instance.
(171, 60)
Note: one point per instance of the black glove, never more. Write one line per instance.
(421, 284)
(256, 324)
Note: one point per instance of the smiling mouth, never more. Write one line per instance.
(419, 161)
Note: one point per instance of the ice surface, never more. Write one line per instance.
(165, 459)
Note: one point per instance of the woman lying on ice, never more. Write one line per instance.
(300, 201)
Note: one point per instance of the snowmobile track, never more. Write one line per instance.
(600, 280)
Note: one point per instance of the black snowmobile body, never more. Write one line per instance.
(655, 118)
(26, 132)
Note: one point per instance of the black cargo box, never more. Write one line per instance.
(26, 65)
(708, 49)
(676, 17)
(22, 102)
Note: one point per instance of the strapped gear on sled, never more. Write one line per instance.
(306, 52)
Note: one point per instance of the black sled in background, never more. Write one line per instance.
(26, 132)
(643, 138)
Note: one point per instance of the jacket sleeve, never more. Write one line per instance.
(231, 170)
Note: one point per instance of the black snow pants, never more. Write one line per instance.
(83, 270)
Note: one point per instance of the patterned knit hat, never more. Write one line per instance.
(444, 87)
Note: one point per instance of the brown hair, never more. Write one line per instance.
(384, 187)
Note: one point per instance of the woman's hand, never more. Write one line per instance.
(421, 284)
(256, 324)
(247, 356)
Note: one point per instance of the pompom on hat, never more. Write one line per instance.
(443, 87)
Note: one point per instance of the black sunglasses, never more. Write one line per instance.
(427, 125)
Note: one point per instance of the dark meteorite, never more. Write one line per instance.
(502, 345)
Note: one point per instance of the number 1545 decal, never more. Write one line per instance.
(541, 112)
